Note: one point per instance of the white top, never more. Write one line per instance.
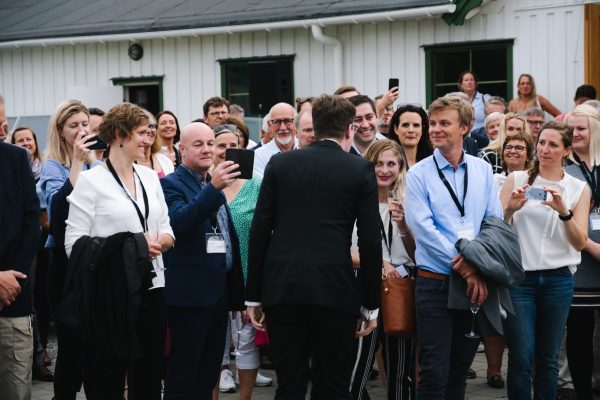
(165, 163)
(499, 180)
(100, 207)
(542, 235)
(263, 154)
(399, 253)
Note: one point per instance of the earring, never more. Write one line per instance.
(120, 144)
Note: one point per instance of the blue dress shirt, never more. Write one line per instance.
(432, 215)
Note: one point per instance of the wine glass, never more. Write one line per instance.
(474, 309)
(152, 236)
(392, 197)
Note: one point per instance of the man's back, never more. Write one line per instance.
(310, 200)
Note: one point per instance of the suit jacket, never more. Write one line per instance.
(19, 222)
(470, 146)
(193, 277)
(302, 230)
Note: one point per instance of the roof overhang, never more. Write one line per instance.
(415, 13)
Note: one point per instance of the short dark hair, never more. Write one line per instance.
(345, 89)
(120, 122)
(362, 99)
(215, 101)
(96, 111)
(241, 126)
(587, 91)
(331, 116)
(177, 130)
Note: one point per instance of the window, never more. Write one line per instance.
(258, 83)
(490, 60)
(146, 92)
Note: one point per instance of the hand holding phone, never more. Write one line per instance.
(533, 193)
(99, 145)
(245, 159)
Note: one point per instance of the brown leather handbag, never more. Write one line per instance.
(398, 306)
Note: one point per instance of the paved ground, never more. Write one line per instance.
(477, 389)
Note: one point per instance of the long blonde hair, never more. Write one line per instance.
(374, 152)
(497, 144)
(57, 148)
(593, 118)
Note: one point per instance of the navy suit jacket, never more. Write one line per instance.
(19, 222)
(192, 277)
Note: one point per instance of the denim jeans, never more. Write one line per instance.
(445, 354)
(534, 332)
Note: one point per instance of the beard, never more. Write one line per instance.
(285, 140)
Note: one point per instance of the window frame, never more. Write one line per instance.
(228, 62)
(430, 51)
(142, 81)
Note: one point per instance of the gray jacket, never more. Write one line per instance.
(495, 252)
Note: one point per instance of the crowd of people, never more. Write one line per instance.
(138, 239)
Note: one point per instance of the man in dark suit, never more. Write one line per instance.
(20, 233)
(300, 269)
(203, 276)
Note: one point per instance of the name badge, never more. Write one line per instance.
(595, 221)
(465, 230)
(401, 269)
(215, 243)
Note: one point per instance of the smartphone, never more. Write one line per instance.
(393, 82)
(99, 145)
(245, 159)
(533, 193)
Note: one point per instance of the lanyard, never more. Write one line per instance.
(460, 207)
(591, 178)
(143, 219)
(388, 240)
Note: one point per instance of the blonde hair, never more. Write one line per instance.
(374, 152)
(57, 147)
(533, 94)
(593, 118)
(453, 102)
(497, 144)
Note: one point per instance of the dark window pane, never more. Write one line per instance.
(448, 66)
(490, 64)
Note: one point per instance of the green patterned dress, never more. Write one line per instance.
(242, 211)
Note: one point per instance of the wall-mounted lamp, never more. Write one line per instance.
(135, 51)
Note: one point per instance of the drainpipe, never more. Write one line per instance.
(338, 67)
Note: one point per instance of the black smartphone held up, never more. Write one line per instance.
(393, 82)
(99, 145)
(243, 157)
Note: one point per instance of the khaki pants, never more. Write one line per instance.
(16, 357)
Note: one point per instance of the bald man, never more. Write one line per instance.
(283, 132)
(203, 271)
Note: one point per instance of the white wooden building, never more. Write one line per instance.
(258, 52)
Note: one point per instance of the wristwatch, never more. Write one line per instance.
(566, 217)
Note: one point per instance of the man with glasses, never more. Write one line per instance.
(535, 119)
(365, 121)
(283, 133)
(216, 109)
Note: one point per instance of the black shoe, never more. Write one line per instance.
(495, 381)
(471, 374)
(42, 374)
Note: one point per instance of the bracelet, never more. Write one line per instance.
(566, 217)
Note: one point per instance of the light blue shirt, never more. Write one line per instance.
(478, 104)
(432, 215)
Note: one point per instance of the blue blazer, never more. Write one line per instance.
(194, 278)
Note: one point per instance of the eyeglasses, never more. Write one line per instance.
(277, 122)
(531, 122)
(225, 128)
(517, 148)
(152, 126)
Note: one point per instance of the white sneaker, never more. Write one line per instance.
(262, 380)
(226, 383)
